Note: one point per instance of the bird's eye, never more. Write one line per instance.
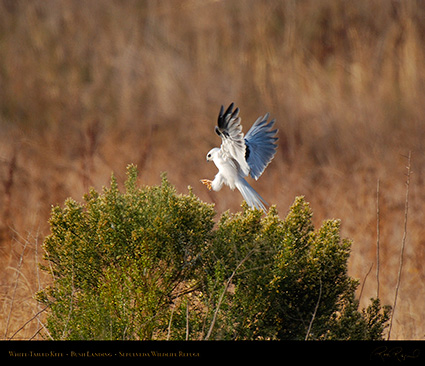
(209, 155)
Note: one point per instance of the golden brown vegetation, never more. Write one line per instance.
(88, 87)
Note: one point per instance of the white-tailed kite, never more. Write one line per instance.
(239, 157)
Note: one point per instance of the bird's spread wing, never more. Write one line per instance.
(230, 130)
(260, 145)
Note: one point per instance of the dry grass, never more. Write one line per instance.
(89, 87)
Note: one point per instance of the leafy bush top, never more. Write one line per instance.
(149, 263)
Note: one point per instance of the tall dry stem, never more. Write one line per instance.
(315, 311)
(18, 273)
(403, 242)
(377, 238)
(364, 282)
(229, 281)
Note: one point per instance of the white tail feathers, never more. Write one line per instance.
(251, 197)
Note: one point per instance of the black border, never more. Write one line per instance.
(276, 352)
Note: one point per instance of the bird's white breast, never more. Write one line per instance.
(227, 169)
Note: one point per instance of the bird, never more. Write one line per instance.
(241, 156)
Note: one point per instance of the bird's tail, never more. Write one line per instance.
(251, 197)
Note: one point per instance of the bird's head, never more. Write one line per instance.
(211, 154)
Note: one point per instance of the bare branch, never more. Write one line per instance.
(18, 273)
(187, 320)
(377, 238)
(315, 311)
(364, 281)
(223, 293)
(28, 321)
(403, 242)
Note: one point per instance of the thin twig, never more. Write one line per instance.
(403, 242)
(169, 324)
(28, 321)
(37, 273)
(187, 320)
(364, 281)
(18, 273)
(71, 298)
(315, 311)
(377, 238)
(223, 293)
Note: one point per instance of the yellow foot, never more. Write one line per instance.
(207, 182)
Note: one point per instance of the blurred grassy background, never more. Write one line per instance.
(89, 87)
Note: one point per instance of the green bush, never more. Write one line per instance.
(152, 264)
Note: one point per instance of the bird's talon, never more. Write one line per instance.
(207, 182)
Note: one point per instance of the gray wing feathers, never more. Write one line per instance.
(261, 145)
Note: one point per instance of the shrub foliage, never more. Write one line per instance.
(148, 263)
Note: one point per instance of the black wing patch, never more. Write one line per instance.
(224, 119)
(230, 130)
(247, 151)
